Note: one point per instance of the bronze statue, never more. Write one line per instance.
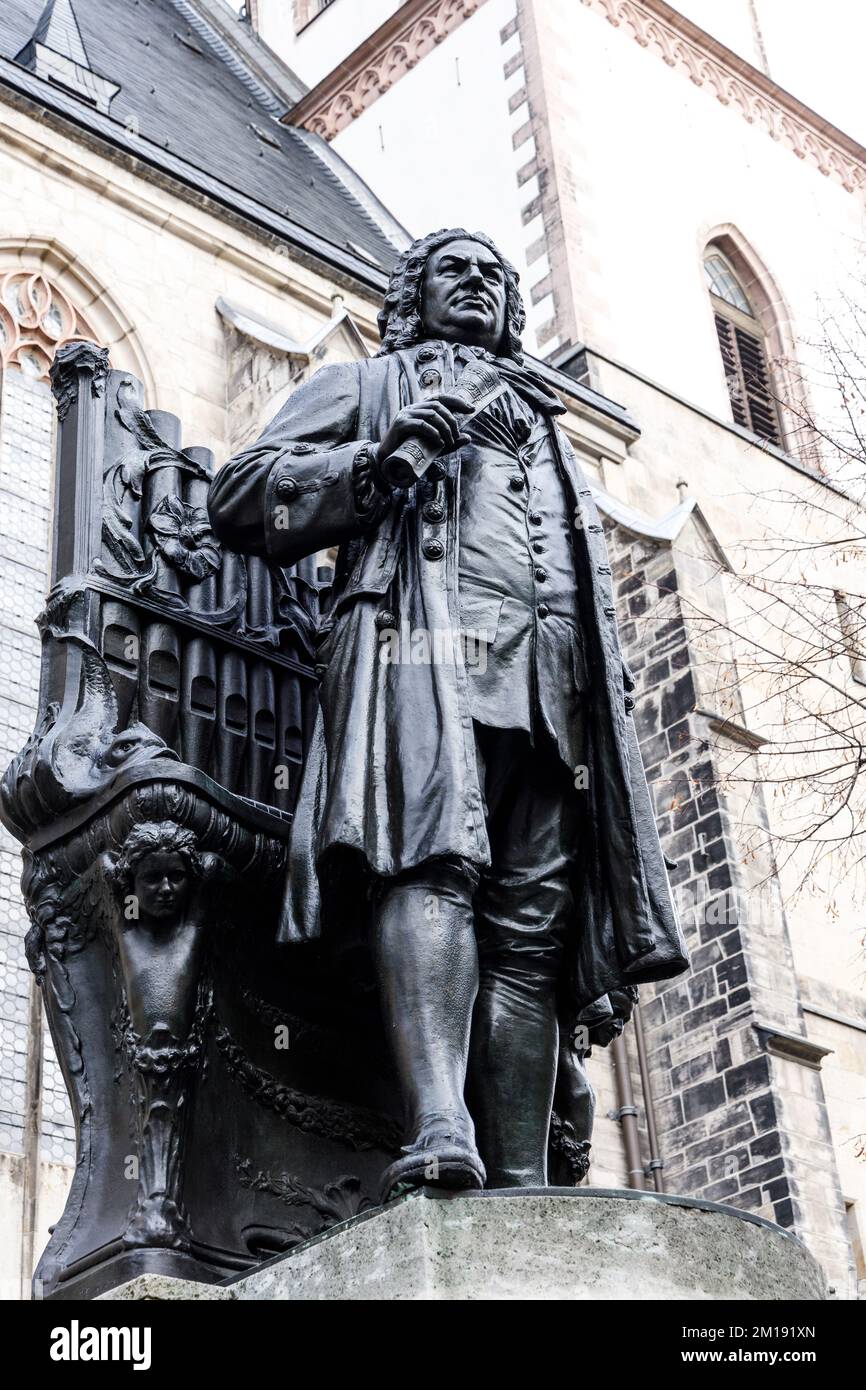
(330, 894)
(484, 823)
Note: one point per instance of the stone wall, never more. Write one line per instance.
(739, 1097)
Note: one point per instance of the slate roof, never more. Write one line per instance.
(186, 96)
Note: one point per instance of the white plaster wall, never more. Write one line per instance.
(843, 1073)
(650, 166)
(435, 146)
(329, 38)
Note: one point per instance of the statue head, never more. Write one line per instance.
(158, 864)
(454, 285)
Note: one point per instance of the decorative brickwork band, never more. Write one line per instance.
(735, 83)
(379, 62)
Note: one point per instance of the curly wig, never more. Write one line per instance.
(400, 323)
(155, 837)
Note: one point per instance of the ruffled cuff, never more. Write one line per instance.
(372, 493)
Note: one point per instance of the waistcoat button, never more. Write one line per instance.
(433, 550)
(433, 511)
(287, 488)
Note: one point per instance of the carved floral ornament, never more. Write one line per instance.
(36, 318)
(183, 536)
(330, 110)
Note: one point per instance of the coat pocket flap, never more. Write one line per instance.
(479, 616)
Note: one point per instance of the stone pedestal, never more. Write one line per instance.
(582, 1244)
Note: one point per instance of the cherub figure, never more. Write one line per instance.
(160, 931)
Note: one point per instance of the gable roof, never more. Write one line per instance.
(188, 96)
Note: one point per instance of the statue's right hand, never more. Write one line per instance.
(434, 423)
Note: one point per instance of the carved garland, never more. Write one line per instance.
(731, 87)
(36, 318)
(335, 103)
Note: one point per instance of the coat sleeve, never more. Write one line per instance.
(308, 482)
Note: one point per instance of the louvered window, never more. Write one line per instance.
(744, 356)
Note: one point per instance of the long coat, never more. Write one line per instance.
(391, 770)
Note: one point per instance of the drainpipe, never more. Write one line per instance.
(627, 1113)
(656, 1163)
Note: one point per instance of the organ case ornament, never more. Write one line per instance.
(153, 801)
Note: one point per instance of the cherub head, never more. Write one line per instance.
(157, 865)
(458, 286)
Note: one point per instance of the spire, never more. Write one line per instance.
(55, 51)
(58, 30)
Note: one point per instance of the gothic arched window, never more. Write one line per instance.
(742, 343)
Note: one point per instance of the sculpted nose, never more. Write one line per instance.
(473, 276)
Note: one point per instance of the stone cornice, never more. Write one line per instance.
(736, 83)
(379, 62)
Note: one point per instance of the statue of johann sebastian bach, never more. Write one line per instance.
(497, 809)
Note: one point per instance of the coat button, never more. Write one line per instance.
(540, 575)
(287, 488)
(436, 471)
(538, 547)
(386, 619)
(427, 354)
(433, 511)
(320, 671)
(302, 448)
(517, 482)
(535, 518)
(433, 550)
(543, 610)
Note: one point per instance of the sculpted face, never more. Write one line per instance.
(463, 295)
(161, 885)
